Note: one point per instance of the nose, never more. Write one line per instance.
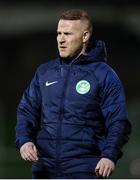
(62, 38)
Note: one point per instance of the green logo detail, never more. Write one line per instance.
(83, 87)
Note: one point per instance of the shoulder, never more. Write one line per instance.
(105, 73)
(47, 66)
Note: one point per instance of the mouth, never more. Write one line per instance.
(62, 48)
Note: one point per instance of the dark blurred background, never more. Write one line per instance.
(28, 38)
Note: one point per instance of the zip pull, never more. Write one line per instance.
(62, 72)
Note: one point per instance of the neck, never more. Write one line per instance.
(70, 59)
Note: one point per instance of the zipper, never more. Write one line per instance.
(59, 124)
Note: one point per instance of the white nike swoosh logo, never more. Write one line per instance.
(48, 84)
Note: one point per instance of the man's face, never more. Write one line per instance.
(70, 38)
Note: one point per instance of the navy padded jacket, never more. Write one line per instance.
(75, 113)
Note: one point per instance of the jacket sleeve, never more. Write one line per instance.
(114, 111)
(28, 113)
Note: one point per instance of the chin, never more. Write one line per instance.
(63, 56)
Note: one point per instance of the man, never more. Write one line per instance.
(72, 120)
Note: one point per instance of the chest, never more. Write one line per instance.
(73, 85)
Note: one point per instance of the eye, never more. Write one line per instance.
(58, 33)
(67, 33)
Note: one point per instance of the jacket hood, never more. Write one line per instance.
(96, 52)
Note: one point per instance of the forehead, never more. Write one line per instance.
(69, 24)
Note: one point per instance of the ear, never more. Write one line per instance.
(86, 36)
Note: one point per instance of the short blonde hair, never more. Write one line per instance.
(78, 14)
